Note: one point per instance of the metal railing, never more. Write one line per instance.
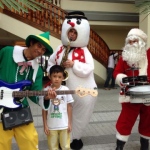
(50, 18)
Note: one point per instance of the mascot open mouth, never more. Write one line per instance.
(72, 34)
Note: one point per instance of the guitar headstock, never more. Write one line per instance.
(84, 91)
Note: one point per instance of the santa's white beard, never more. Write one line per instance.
(133, 54)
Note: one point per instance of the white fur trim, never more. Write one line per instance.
(139, 33)
(119, 78)
(145, 137)
(122, 137)
(123, 98)
(143, 66)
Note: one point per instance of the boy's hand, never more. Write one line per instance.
(69, 128)
(46, 130)
(51, 94)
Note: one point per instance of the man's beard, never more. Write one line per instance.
(133, 54)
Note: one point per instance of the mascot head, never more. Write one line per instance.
(76, 20)
(134, 50)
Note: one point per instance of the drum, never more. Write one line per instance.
(139, 90)
(139, 94)
(137, 79)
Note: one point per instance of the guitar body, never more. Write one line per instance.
(6, 92)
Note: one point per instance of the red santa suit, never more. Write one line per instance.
(131, 111)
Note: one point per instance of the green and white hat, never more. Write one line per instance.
(43, 39)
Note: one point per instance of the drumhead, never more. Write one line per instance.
(143, 89)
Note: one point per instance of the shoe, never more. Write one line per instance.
(144, 143)
(106, 88)
(120, 145)
(76, 144)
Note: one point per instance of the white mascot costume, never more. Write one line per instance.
(81, 74)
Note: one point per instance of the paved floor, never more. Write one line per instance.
(100, 133)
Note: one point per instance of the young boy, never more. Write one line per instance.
(58, 119)
(80, 67)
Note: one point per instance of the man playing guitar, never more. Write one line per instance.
(16, 65)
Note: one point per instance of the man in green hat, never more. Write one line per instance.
(17, 65)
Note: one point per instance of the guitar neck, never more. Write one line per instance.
(39, 93)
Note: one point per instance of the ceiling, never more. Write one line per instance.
(112, 1)
(108, 28)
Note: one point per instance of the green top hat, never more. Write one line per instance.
(43, 39)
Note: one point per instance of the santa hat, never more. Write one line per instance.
(139, 33)
(43, 39)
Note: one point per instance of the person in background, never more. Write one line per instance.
(16, 65)
(111, 65)
(135, 61)
(79, 64)
(57, 119)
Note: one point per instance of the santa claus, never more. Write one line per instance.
(135, 61)
(77, 60)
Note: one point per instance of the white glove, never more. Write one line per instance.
(119, 78)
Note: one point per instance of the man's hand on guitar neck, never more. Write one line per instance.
(51, 94)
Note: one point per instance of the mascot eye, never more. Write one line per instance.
(68, 21)
(78, 21)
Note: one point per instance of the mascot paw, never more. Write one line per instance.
(76, 144)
